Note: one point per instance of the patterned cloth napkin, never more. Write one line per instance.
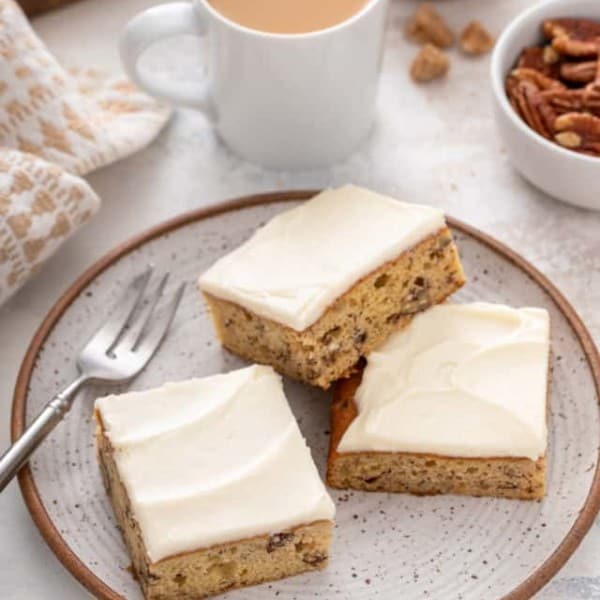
(55, 125)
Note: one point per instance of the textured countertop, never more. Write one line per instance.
(434, 144)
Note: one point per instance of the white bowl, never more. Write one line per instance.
(561, 173)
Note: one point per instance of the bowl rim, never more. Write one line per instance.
(498, 77)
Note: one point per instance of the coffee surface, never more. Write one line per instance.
(287, 16)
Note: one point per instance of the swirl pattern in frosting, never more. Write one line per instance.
(462, 380)
(213, 460)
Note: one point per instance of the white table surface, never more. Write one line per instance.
(447, 154)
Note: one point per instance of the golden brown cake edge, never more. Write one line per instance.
(211, 570)
(406, 472)
(344, 329)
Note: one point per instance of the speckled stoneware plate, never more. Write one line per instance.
(385, 546)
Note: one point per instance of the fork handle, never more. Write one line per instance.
(50, 416)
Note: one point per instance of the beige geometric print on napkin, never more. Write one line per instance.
(40, 206)
(81, 119)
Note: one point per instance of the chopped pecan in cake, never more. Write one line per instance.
(402, 263)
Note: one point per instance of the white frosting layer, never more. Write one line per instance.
(461, 380)
(213, 460)
(293, 268)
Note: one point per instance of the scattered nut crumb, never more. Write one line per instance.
(431, 63)
(427, 26)
(476, 39)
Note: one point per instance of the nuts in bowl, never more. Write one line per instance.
(556, 86)
(545, 74)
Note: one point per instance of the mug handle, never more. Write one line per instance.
(153, 25)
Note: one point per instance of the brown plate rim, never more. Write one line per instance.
(101, 590)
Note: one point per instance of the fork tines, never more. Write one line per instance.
(136, 323)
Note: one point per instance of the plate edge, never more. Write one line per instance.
(526, 589)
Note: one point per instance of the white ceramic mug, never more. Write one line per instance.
(287, 101)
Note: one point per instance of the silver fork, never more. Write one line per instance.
(116, 353)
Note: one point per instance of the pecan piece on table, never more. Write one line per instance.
(579, 131)
(476, 39)
(577, 38)
(427, 26)
(431, 63)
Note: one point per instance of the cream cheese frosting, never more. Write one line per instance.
(213, 460)
(462, 380)
(294, 267)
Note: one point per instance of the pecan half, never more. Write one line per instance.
(573, 37)
(579, 131)
(586, 100)
(541, 81)
(431, 63)
(565, 101)
(476, 39)
(579, 72)
(545, 60)
(427, 26)
(531, 105)
(591, 97)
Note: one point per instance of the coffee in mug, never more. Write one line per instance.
(289, 84)
(287, 16)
